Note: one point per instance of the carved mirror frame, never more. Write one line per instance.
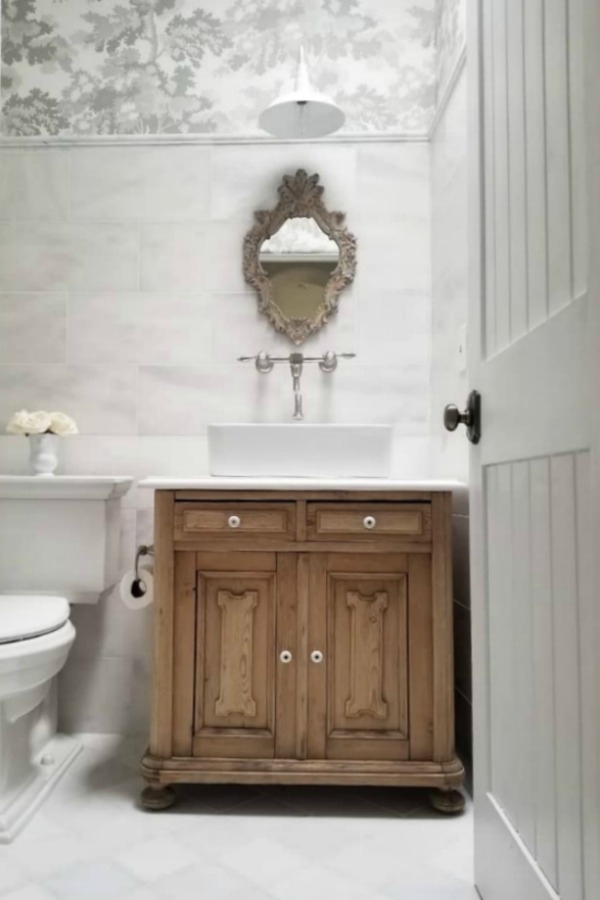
(300, 195)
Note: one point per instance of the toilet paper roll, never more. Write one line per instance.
(145, 585)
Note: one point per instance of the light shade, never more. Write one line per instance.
(303, 112)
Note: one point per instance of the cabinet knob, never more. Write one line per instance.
(234, 521)
(285, 656)
(316, 656)
(369, 522)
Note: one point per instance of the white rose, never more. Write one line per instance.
(24, 422)
(62, 424)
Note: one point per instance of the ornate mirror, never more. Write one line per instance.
(299, 257)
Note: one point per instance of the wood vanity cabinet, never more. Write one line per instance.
(303, 638)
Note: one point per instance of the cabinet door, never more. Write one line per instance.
(235, 650)
(359, 620)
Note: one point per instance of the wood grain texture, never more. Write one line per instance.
(364, 547)
(364, 602)
(235, 666)
(290, 771)
(443, 655)
(346, 521)
(294, 496)
(367, 675)
(286, 676)
(302, 563)
(236, 658)
(161, 730)
(366, 654)
(420, 676)
(317, 674)
(261, 521)
(184, 640)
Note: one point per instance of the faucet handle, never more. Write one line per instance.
(263, 362)
(329, 362)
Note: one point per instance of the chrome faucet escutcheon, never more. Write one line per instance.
(328, 363)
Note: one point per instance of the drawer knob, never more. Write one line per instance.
(316, 656)
(234, 521)
(285, 656)
(369, 522)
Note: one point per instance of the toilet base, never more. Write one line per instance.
(48, 766)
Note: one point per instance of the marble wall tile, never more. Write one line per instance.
(154, 184)
(240, 329)
(176, 257)
(373, 394)
(182, 400)
(449, 235)
(393, 181)
(34, 256)
(107, 183)
(34, 186)
(393, 254)
(246, 178)
(109, 694)
(14, 452)
(411, 455)
(222, 259)
(104, 257)
(141, 328)
(100, 398)
(395, 328)
(55, 257)
(32, 328)
(177, 184)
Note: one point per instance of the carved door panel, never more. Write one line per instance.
(235, 674)
(359, 690)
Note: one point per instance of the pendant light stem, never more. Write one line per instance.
(302, 80)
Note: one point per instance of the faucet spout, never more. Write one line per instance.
(296, 365)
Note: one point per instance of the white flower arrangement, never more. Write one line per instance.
(41, 422)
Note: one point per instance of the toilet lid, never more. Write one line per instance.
(24, 616)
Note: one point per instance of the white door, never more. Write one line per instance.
(535, 517)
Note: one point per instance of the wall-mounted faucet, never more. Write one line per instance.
(328, 363)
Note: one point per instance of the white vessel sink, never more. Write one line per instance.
(301, 450)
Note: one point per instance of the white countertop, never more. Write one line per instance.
(64, 487)
(218, 483)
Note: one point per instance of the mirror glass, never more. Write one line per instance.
(299, 257)
(299, 260)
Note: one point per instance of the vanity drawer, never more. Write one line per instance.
(368, 521)
(235, 521)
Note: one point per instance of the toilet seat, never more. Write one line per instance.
(27, 616)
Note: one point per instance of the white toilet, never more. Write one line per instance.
(74, 524)
(35, 639)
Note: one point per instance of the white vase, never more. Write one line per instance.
(43, 453)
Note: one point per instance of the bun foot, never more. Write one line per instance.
(157, 798)
(451, 803)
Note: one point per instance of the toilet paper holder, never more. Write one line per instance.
(138, 588)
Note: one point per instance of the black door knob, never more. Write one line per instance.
(471, 417)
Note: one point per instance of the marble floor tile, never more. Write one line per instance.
(96, 880)
(92, 840)
(151, 860)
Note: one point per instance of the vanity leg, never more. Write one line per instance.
(157, 797)
(448, 801)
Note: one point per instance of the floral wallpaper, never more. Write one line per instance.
(450, 39)
(93, 67)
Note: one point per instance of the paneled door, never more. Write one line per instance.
(234, 712)
(535, 496)
(358, 654)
